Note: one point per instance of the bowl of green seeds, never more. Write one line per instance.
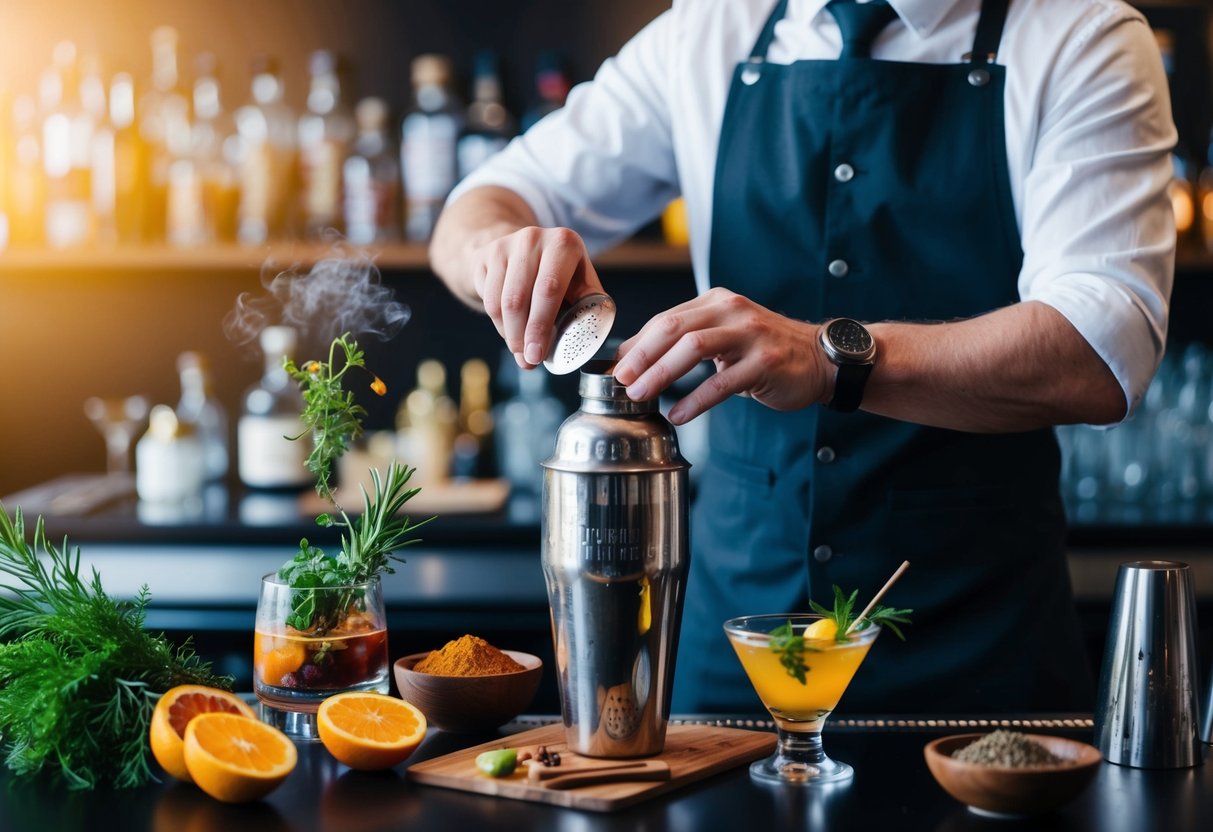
(1010, 774)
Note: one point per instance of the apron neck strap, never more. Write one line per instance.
(759, 52)
(989, 32)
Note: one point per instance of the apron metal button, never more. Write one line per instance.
(751, 72)
(838, 268)
(826, 454)
(979, 77)
(844, 172)
(822, 554)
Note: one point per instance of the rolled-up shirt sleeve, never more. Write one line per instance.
(1097, 224)
(603, 165)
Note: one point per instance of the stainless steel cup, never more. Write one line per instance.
(615, 558)
(1145, 714)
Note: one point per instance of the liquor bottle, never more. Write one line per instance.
(67, 136)
(26, 192)
(551, 88)
(489, 126)
(325, 133)
(425, 425)
(428, 137)
(371, 179)
(201, 185)
(202, 411)
(215, 149)
(525, 425)
(472, 451)
(267, 148)
(1182, 189)
(122, 150)
(1204, 198)
(269, 456)
(6, 164)
(164, 124)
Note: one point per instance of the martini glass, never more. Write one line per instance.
(799, 708)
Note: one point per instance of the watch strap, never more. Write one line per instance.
(849, 383)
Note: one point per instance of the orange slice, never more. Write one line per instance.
(173, 713)
(369, 731)
(235, 759)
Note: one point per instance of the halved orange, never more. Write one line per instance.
(235, 759)
(369, 731)
(173, 713)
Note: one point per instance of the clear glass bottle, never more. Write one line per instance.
(203, 412)
(551, 88)
(26, 191)
(164, 124)
(267, 156)
(428, 137)
(371, 179)
(121, 152)
(67, 145)
(524, 426)
(472, 452)
(489, 126)
(325, 133)
(268, 457)
(425, 425)
(202, 184)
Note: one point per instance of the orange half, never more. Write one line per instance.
(369, 731)
(235, 759)
(173, 713)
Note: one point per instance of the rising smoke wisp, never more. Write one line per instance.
(341, 293)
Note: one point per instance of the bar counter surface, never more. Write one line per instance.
(892, 790)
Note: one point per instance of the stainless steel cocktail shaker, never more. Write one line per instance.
(615, 557)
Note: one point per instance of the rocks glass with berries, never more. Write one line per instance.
(311, 643)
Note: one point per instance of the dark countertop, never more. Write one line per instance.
(892, 790)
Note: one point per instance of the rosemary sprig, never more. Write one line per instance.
(79, 676)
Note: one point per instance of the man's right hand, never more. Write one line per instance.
(523, 278)
(488, 249)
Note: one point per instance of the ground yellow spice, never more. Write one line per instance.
(467, 656)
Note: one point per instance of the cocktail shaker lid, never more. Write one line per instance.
(580, 331)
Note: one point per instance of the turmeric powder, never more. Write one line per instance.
(467, 656)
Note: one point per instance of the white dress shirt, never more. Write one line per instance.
(1088, 123)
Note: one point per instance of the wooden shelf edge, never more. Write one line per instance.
(634, 255)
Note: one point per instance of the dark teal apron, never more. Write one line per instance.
(878, 190)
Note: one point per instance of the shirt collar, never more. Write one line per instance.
(922, 17)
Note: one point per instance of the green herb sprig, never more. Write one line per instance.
(330, 414)
(368, 543)
(79, 676)
(791, 648)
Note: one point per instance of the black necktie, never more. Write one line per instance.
(860, 24)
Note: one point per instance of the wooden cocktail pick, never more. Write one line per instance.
(905, 564)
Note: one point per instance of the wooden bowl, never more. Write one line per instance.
(469, 703)
(1022, 792)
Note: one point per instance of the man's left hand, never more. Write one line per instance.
(758, 353)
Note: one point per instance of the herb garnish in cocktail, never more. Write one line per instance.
(320, 623)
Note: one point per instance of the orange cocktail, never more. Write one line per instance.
(798, 707)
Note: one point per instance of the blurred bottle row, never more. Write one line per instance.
(1191, 188)
(91, 160)
(179, 450)
(1157, 466)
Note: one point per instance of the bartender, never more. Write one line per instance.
(923, 232)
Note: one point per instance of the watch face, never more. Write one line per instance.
(849, 337)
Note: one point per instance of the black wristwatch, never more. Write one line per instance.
(850, 347)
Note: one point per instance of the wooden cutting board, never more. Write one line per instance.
(692, 752)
